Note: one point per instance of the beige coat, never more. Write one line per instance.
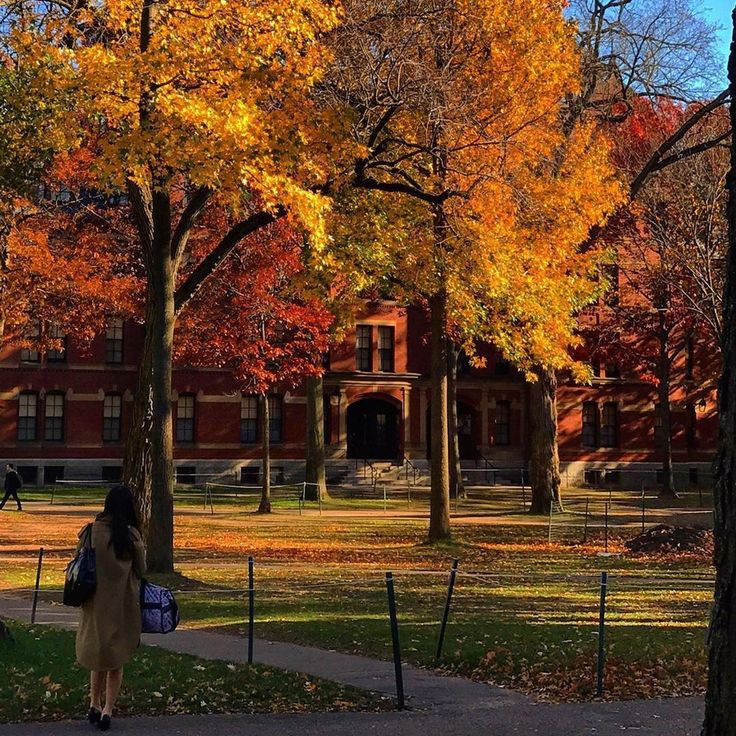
(110, 622)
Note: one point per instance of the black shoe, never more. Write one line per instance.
(105, 723)
(94, 715)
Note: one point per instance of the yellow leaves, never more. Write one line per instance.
(218, 97)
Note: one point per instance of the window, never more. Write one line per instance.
(249, 419)
(52, 473)
(57, 355)
(363, 346)
(112, 412)
(186, 475)
(609, 425)
(464, 422)
(54, 418)
(28, 474)
(327, 420)
(593, 477)
(114, 342)
(112, 473)
(502, 432)
(693, 476)
(386, 349)
(275, 414)
(596, 367)
(27, 407)
(185, 418)
(613, 370)
(27, 355)
(250, 474)
(590, 424)
(692, 426)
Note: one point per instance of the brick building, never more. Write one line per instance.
(64, 414)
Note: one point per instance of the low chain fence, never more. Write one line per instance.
(411, 610)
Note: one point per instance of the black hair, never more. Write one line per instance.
(11, 466)
(120, 507)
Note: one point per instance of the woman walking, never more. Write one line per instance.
(110, 624)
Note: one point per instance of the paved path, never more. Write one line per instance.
(452, 706)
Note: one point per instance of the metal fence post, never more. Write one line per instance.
(601, 635)
(446, 614)
(395, 640)
(251, 612)
(643, 511)
(605, 549)
(38, 583)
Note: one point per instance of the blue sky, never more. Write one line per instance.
(719, 11)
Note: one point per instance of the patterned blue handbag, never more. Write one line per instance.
(159, 610)
(80, 581)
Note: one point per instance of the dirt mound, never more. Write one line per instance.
(668, 539)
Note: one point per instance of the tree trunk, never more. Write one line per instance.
(315, 461)
(665, 412)
(439, 515)
(720, 699)
(265, 506)
(137, 464)
(149, 464)
(456, 474)
(544, 461)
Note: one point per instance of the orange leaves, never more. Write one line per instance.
(257, 315)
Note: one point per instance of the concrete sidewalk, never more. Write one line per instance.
(451, 706)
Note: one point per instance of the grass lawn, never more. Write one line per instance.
(38, 681)
(524, 613)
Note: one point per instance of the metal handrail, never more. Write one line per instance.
(415, 470)
(375, 473)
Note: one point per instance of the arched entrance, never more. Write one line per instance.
(373, 430)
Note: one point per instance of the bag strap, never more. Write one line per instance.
(88, 536)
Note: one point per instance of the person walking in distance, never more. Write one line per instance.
(13, 484)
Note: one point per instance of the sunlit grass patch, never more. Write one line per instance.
(39, 681)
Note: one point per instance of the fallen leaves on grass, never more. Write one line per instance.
(565, 680)
(667, 542)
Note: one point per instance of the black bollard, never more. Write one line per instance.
(251, 603)
(601, 635)
(446, 614)
(38, 583)
(395, 641)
